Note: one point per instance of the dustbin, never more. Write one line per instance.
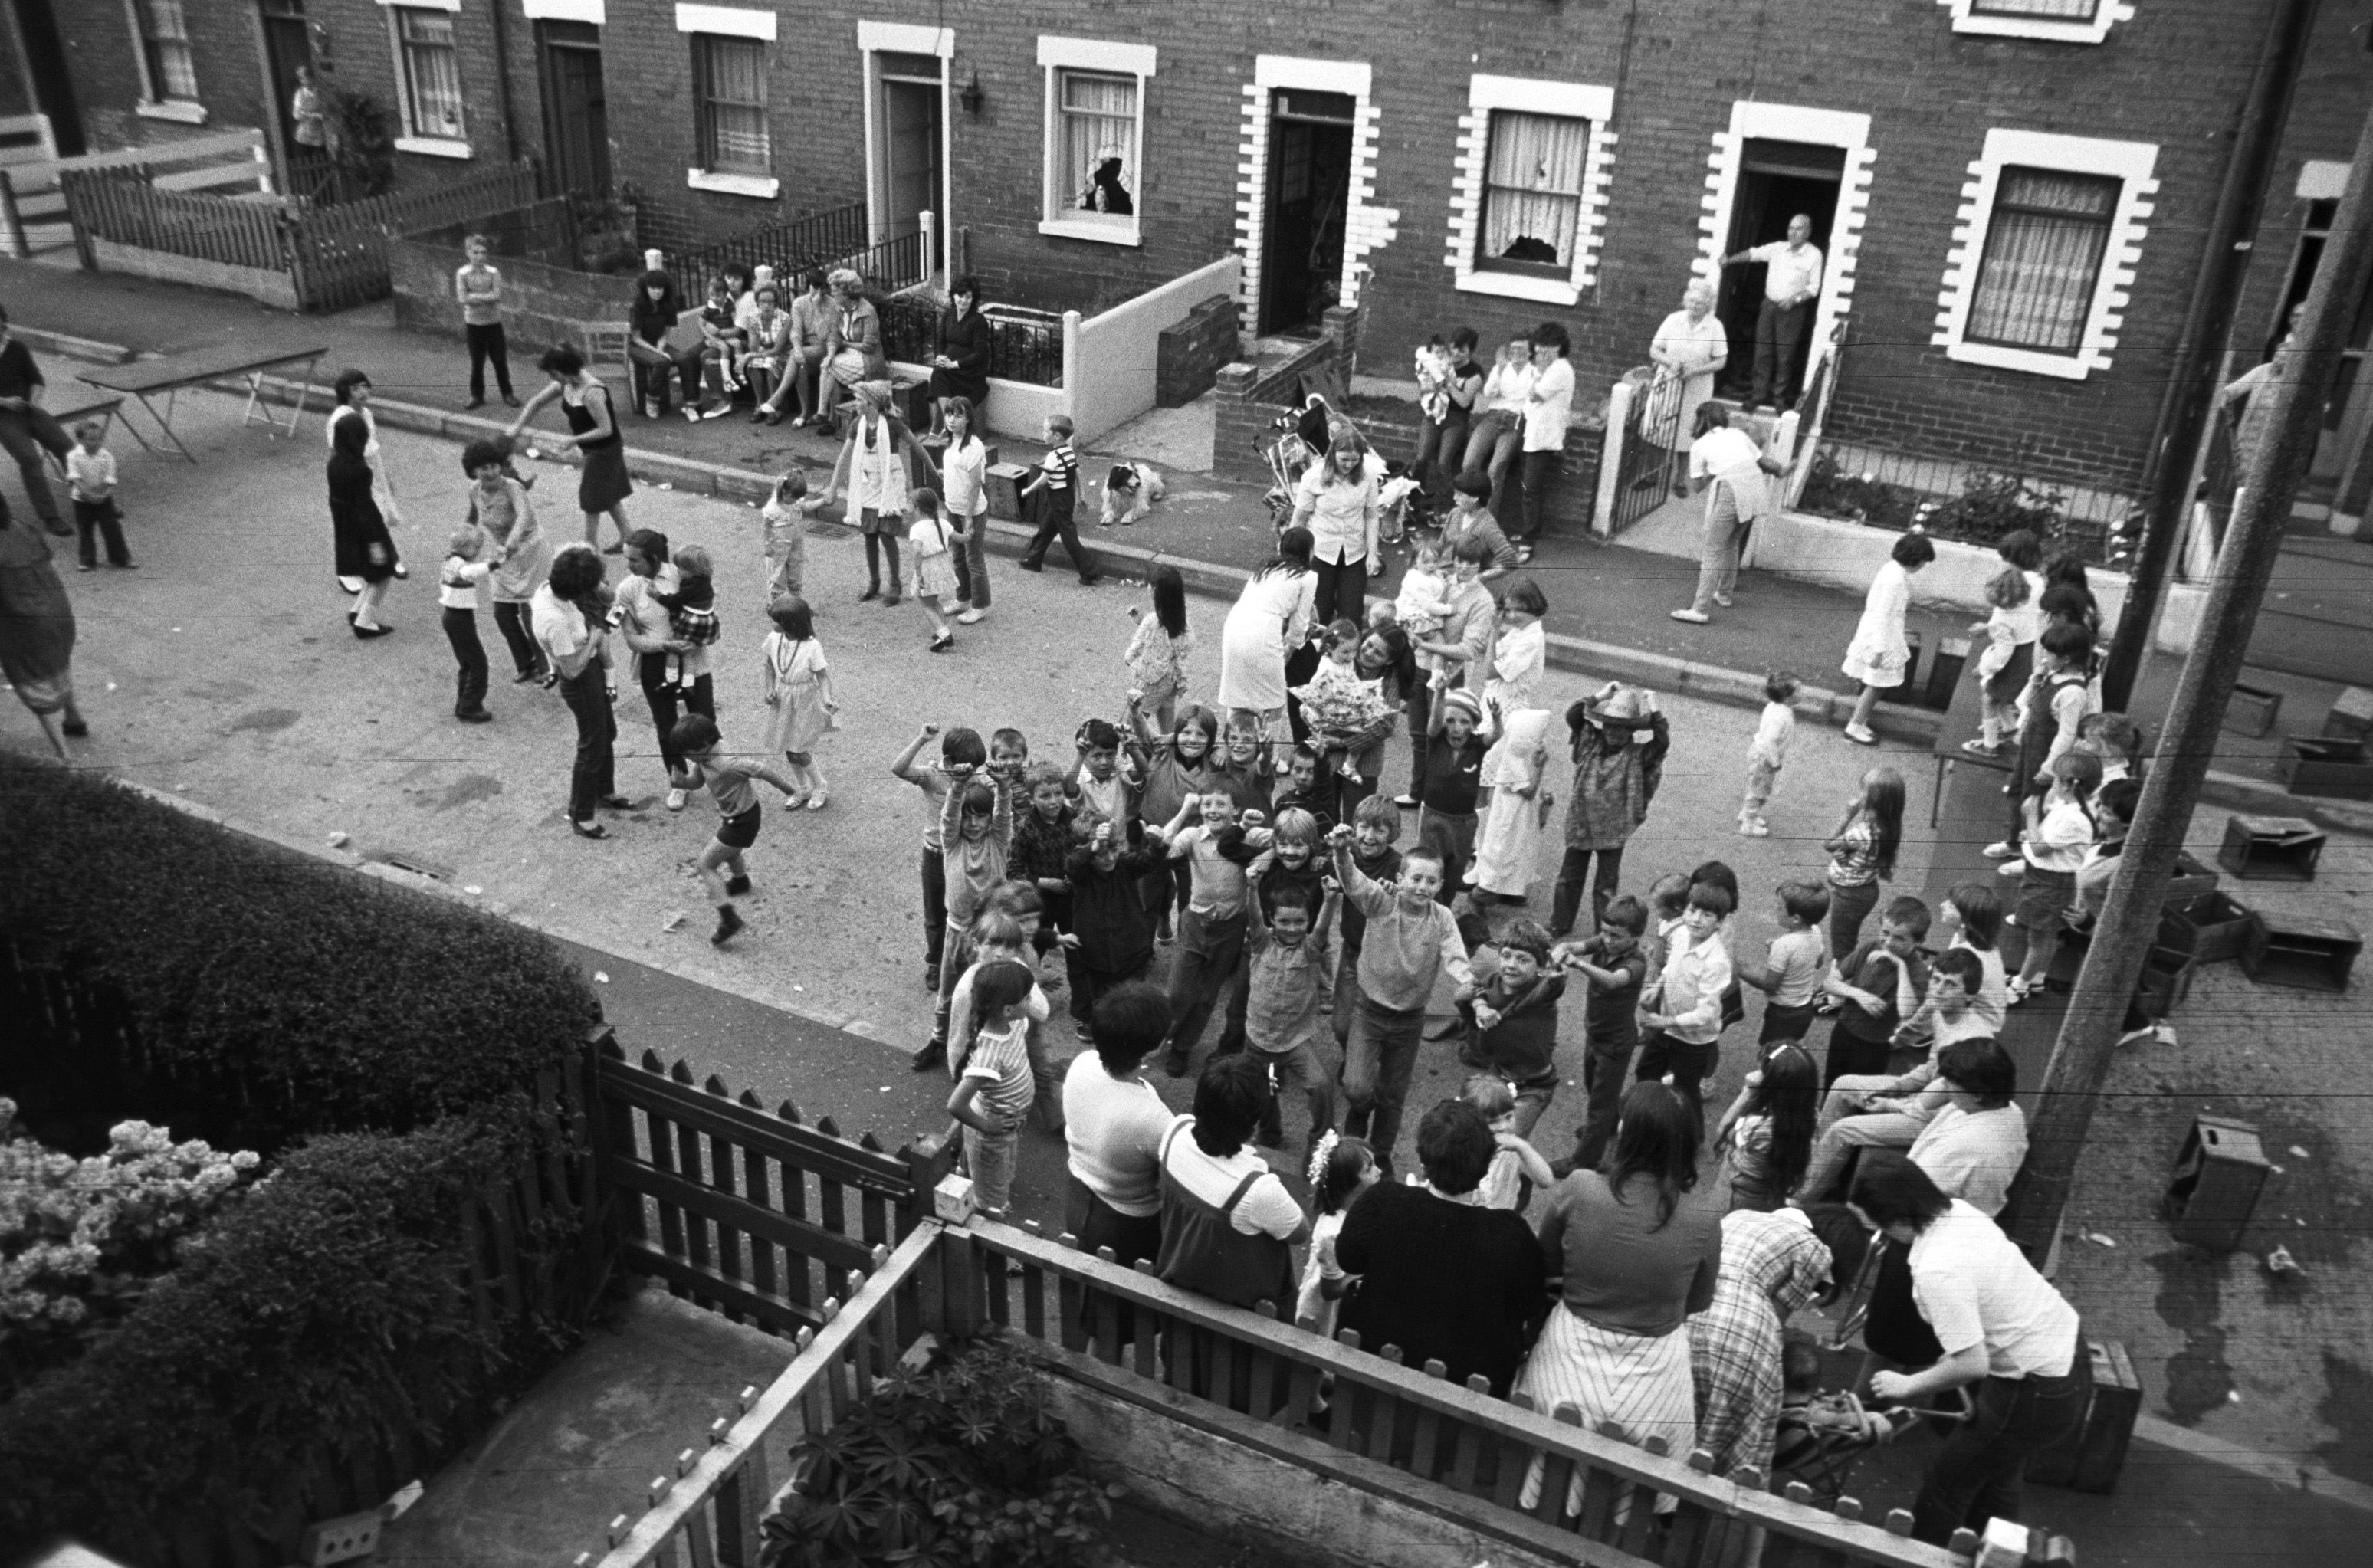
(2217, 1178)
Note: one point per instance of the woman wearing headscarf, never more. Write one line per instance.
(1689, 350)
(1735, 478)
(1772, 1265)
(881, 465)
(960, 368)
(1618, 745)
(852, 346)
(651, 320)
(366, 552)
(36, 632)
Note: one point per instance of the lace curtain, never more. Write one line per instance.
(1098, 126)
(734, 94)
(2043, 256)
(1532, 199)
(431, 72)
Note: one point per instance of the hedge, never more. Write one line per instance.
(323, 1322)
(270, 995)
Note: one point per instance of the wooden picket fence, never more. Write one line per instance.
(335, 256)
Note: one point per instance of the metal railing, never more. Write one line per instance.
(1021, 348)
(1953, 498)
(789, 245)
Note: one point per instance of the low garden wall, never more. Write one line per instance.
(1111, 365)
(547, 297)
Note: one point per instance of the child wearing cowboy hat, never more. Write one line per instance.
(1619, 741)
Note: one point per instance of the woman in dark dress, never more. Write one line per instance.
(961, 369)
(365, 550)
(594, 431)
(36, 632)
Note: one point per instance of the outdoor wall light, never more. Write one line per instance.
(972, 97)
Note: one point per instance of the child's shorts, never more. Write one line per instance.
(2043, 900)
(740, 830)
(1784, 1023)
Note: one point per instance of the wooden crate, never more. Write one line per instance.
(2271, 848)
(2301, 953)
(2330, 768)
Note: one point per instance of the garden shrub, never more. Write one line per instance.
(961, 1464)
(270, 995)
(322, 1318)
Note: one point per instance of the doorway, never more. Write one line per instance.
(46, 65)
(1776, 180)
(1308, 195)
(288, 44)
(576, 115)
(908, 157)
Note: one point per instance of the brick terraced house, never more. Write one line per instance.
(2010, 194)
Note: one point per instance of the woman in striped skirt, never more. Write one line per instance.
(1638, 1255)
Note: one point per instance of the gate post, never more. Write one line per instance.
(1610, 461)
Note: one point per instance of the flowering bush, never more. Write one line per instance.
(81, 1239)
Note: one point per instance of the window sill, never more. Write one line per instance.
(1101, 233)
(1517, 285)
(434, 147)
(765, 187)
(2034, 362)
(184, 111)
(2034, 29)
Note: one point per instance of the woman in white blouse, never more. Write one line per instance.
(1727, 464)
(1689, 350)
(1270, 619)
(1337, 502)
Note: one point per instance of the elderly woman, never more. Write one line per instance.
(961, 366)
(1269, 620)
(1731, 471)
(852, 344)
(1440, 1274)
(1689, 350)
(881, 464)
(1637, 1255)
(36, 632)
(1337, 502)
(601, 485)
(1772, 1265)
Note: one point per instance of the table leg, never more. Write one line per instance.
(1936, 793)
(130, 430)
(303, 392)
(164, 423)
(254, 391)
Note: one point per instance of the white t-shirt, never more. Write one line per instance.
(1724, 450)
(1114, 1129)
(1973, 1155)
(1790, 271)
(964, 470)
(1974, 1287)
(1508, 386)
(2061, 840)
(1268, 1209)
(1549, 406)
(559, 625)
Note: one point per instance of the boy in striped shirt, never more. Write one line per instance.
(1053, 497)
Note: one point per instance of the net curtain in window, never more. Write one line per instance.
(734, 84)
(1099, 142)
(2043, 256)
(1533, 199)
(433, 71)
(166, 35)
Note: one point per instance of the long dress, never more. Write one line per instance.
(364, 548)
(603, 483)
(796, 718)
(37, 623)
(1880, 651)
(1269, 619)
(1509, 847)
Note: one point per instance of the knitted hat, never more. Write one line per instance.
(1466, 701)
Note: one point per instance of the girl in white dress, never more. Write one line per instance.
(1881, 651)
(799, 707)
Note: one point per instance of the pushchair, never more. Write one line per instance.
(1299, 437)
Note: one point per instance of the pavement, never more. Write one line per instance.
(217, 674)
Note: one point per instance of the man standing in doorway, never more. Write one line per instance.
(1791, 283)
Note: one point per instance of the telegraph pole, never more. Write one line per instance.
(2207, 325)
(2082, 1056)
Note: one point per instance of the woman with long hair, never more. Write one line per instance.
(1765, 1138)
(602, 486)
(963, 480)
(1638, 1255)
(1337, 503)
(961, 366)
(366, 551)
(1862, 855)
(1270, 620)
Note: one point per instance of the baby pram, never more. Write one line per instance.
(1299, 437)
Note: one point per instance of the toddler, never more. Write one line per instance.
(2060, 832)
(90, 484)
(1340, 1169)
(1130, 490)
(1335, 701)
(1423, 602)
(692, 612)
(1768, 752)
(2010, 596)
(729, 782)
(1432, 364)
(993, 1096)
(1793, 963)
(461, 585)
(1512, 1024)
(785, 521)
(1517, 1168)
(1157, 654)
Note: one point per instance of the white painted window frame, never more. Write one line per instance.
(1967, 19)
(592, 13)
(1056, 55)
(154, 104)
(1568, 101)
(412, 141)
(2131, 163)
(1816, 128)
(1366, 226)
(2323, 179)
(873, 41)
(725, 21)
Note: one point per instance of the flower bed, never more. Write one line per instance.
(1990, 505)
(417, 1249)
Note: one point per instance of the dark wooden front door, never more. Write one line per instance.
(45, 63)
(575, 117)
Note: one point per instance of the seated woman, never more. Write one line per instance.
(769, 352)
(2000, 1331)
(651, 327)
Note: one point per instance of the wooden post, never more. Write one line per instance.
(1611, 460)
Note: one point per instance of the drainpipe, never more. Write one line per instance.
(2191, 380)
(503, 84)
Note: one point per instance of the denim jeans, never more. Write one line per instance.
(1492, 442)
(990, 1157)
(1440, 450)
(1377, 1064)
(1976, 1475)
(593, 774)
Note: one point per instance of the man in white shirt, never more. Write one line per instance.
(1999, 1325)
(1792, 284)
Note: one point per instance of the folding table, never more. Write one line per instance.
(144, 378)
